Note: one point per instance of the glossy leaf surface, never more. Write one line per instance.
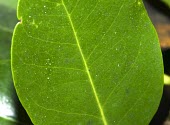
(79, 62)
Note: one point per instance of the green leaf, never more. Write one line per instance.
(167, 2)
(8, 20)
(7, 92)
(166, 79)
(95, 62)
(12, 4)
(4, 121)
(10, 109)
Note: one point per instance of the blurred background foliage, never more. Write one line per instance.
(167, 2)
(12, 112)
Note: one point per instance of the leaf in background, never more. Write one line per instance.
(167, 2)
(166, 79)
(10, 108)
(7, 96)
(10, 4)
(87, 62)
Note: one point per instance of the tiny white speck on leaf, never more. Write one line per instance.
(139, 3)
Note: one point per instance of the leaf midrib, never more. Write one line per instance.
(85, 64)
